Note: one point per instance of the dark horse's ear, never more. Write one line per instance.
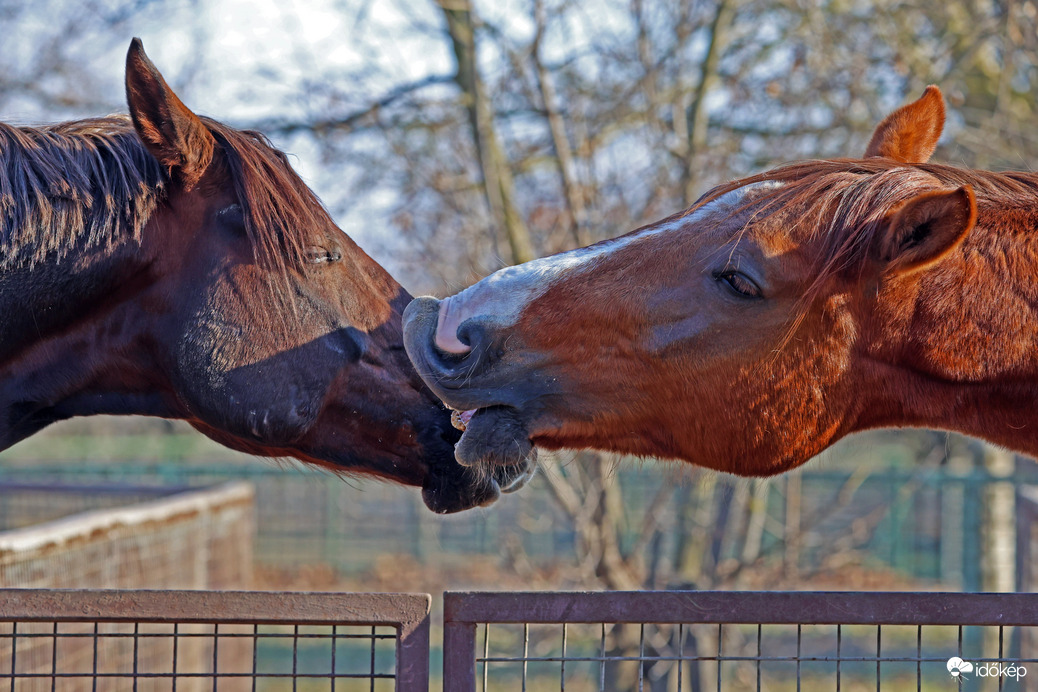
(926, 228)
(171, 132)
(910, 133)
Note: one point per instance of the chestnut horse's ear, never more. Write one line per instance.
(927, 228)
(171, 132)
(910, 133)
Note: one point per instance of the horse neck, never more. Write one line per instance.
(62, 324)
(960, 350)
(39, 300)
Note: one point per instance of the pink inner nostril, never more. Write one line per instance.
(447, 329)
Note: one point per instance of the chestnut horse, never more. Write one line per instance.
(778, 314)
(168, 265)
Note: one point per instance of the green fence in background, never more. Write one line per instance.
(924, 524)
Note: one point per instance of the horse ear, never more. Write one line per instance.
(927, 228)
(171, 132)
(910, 133)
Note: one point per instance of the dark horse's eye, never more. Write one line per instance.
(739, 284)
(233, 217)
(319, 255)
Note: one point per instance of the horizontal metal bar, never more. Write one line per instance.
(736, 659)
(224, 607)
(206, 636)
(205, 676)
(744, 607)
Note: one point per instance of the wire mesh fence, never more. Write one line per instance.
(199, 538)
(193, 640)
(932, 532)
(698, 641)
(661, 641)
(28, 503)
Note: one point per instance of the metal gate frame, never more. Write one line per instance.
(407, 613)
(464, 611)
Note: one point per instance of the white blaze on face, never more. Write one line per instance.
(501, 297)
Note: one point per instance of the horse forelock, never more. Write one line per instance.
(280, 211)
(86, 180)
(841, 205)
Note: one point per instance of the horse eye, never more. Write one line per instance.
(318, 255)
(739, 284)
(232, 216)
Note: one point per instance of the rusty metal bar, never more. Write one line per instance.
(1026, 516)
(412, 644)
(459, 655)
(225, 607)
(744, 607)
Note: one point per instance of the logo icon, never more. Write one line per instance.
(956, 666)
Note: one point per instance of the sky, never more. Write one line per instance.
(241, 62)
(250, 61)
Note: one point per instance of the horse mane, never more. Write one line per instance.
(93, 183)
(853, 199)
(87, 179)
(279, 208)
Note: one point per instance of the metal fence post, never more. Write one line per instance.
(412, 650)
(459, 649)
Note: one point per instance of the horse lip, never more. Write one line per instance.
(520, 480)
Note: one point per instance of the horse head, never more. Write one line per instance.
(221, 293)
(776, 315)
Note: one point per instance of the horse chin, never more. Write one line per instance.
(453, 487)
(476, 487)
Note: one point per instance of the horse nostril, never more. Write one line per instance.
(465, 342)
(447, 346)
(475, 339)
(473, 334)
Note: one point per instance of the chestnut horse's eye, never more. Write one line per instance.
(319, 255)
(739, 284)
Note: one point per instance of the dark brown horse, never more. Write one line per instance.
(778, 314)
(168, 265)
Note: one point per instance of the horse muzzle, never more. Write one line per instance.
(477, 378)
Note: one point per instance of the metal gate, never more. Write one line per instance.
(664, 641)
(669, 641)
(209, 640)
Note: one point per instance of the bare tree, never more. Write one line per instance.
(561, 129)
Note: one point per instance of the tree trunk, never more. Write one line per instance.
(498, 185)
(697, 115)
